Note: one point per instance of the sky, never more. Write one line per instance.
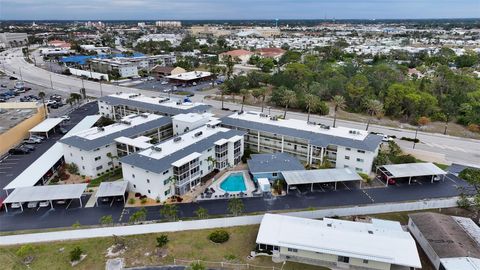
(235, 9)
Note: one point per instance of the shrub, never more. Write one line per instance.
(365, 177)
(24, 251)
(162, 240)
(131, 201)
(76, 254)
(72, 168)
(474, 128)
(143, 200)
(463, 202)
(410, 139)
(219, 236)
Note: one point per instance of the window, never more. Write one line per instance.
(71, 155)
(347, 157)
(343, 259)
(134, 186)
(358, 169)
(81, 158)
(360, 159)
(292, 250)
(98, 158)
(274, 174)
(167, 192)
(165, 172)
(149, 191)
(365, 261)
(361, 151)
(99, 168)
(166, 181)
(148, 181)
(133, 175)
(83, 167)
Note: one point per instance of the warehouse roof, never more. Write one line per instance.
(46, 125)
(383, 241)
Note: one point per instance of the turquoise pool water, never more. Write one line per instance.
(234, 183)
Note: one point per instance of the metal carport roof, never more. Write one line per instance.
(411, 169)
(108, 189)
(320, 176)
(46, 125)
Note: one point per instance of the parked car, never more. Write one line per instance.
(56, 97)
(436, 178)
(65, 117)
(12, 78)
(44, 204)
(29, 147)
(32, 204)
(41, 138)
(32, 140)
(191, 95)
(4, 85)
(15, 205)
(19, 151)
(164, 83)
(62, 130)
(391, 181)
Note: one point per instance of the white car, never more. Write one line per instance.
(164, 83)
(44, 204)
(15, 205)
(65, 117)
(32, 204)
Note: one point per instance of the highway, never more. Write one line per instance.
(453, 149)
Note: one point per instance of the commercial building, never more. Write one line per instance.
(122, 104)
(124, 69)
(241, 56)
(163, 71)
(270, 166)
(94, 151)
(190, 77)
(9, 40)
(175, 166)
(168, 24)
(275, 53)
(337, 244)
(310, 142)
(449, 242)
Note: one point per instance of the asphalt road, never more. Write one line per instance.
(455, 149)
(42, 218)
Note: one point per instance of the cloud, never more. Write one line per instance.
(235, 9)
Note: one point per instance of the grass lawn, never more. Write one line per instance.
(141, 250)
(108, 176)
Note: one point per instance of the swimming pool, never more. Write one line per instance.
(234, 183)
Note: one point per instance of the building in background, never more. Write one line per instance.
(176, 166)
(450, 242)
(168, 24)
(122, 104)
(94, 151)
(310, 142)
(9, 40)
(338, 244)
(242, 56)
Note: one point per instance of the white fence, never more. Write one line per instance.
(224, 265)
(222, 222)
(89, 74)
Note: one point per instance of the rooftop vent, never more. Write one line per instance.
(370, 232)
(263, 115)
(144, 115)
(198, 134)
(128, 123)
(354, 132)
(274, 118)
(329, 224)
(177, 139)
(156, 148)
(100, 129)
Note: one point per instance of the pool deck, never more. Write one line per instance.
(220, 193)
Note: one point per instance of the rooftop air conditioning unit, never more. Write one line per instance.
(100, 128)
(177, 139)
(198, 134)
(179, 103)
(156, 148)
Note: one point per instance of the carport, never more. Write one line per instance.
(111, 189)
(46, 125)
(305, 177)
(409, 170)
(45, 193)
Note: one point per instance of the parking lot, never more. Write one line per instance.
(165, 87)
(12, 165)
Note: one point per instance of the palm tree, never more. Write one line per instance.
(223, 92)
(210, 159)
(288, 98)
(75, 97)
(42, 96)
(311, 102)
(338, 103)
(229, 63)
(244, 93)
(261, 92)
(374, 108)
(83, 92)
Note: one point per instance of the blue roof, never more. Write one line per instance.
(82, 59)
(370, 143)
(163, 164)
(268, 163)
(88, 145)
(153, 108)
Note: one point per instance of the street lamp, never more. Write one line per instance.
(415, 140)
(51, 82)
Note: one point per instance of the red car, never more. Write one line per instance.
(391, 181)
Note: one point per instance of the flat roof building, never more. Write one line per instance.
(270, 165)
(190, 77)
(175, 166)
(92, 150)
(122, 104)
(337, 244)
(448, 241)
(310, 142)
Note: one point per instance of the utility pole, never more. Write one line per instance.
(21, 77)
(415, 140)
(101, 90)
(51, 82)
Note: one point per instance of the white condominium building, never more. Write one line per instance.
(310, 142)
(175, 166)
(122, 104)
(91, 148)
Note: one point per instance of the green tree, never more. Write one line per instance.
(76, 254)
(140, 215)
(106, 220)
(235, 206)
(162, 240)
(311, 103)
(244, 93)
(201, 213)
(169, 212)
(288, 98)
(112, 160)
(472, 177)
(374, 109)
(25, 251)
(196, 266)
(338, 103)
(260, 92)
(42, 95)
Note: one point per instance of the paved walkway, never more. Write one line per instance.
(219, 222)
(91, 202)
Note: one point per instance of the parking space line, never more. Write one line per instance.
(368, 195)
(346, 186)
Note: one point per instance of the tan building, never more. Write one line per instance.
(161, 71)
(241, 56)
(16, 119)
(206, 30)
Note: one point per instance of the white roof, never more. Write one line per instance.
(463, 263)
(192, 117)
(413, 169)
(192, 75)
(44, 193)
(46, 125)
(186, 159)
(368, 241)
(108, 189)
(320, 176)
(42, 164)
(264, 184)
(141, 142)
(301, 125)
(171, 103)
